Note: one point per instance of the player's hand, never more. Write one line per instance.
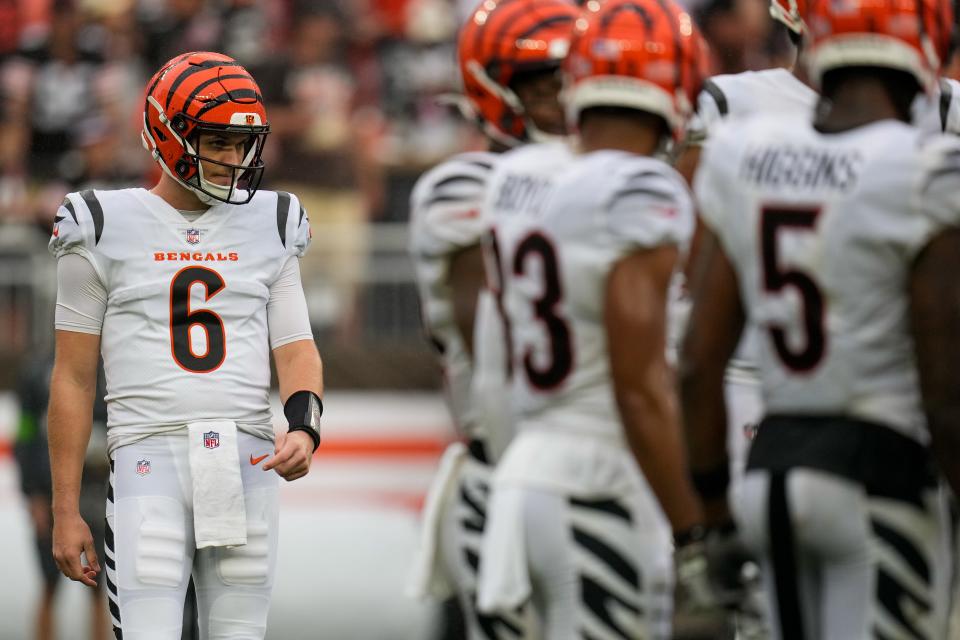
(71, 539)
(710, 570)
(728, 560)
(292, 456)
(697, 592)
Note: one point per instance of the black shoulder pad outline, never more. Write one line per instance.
(283, 210)
(96, 212)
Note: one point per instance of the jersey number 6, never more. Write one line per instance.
(182, 319)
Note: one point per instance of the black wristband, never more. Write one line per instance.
(712, 485)
(725, 528)
(303, 410)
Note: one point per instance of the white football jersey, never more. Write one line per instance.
(772, 91)
(444, 219)
(737, 95)
(185, 333)
(560, 224)
(941, 111)
(779, 91)
(821, 230)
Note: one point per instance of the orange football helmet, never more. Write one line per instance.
(907, 35)
(640, 54)
(501, 39)
(205, 92)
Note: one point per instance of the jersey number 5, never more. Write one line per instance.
(774, 221)
(182, 319)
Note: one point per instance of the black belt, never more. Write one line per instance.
(885, 462)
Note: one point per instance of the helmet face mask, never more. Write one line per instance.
(791, 13)
(538, 91)
(198, 159)
(206, 94)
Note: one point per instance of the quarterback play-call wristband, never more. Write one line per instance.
(303, 410)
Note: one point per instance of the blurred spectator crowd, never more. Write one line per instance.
(351, 89)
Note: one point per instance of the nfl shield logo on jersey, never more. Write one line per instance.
(193, 236)
(143, 467)
(211, 439)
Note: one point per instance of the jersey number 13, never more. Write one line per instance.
(558, 364)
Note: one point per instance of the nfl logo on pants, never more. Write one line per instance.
(211, 439)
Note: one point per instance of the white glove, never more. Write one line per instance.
(709, 568)
(697, 593)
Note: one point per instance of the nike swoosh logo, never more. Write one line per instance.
(256, 461)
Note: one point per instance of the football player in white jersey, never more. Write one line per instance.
(827, 234)
(784, 92)
(584, 247)
(728, 97)
(781, 90)
(509, 55)
(186, 289)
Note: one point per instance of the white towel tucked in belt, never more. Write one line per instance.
(427, 577)
(504, 581)
(219, 514)
(572, 464)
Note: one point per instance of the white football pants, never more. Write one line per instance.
(463, 521)
(600, 568)
(839, 564)
(151, 554)
(744, 413)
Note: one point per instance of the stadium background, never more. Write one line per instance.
(358, 95)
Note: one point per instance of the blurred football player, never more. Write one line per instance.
(186, 289)
(509, 55)
(584, 246)
(735, 96)
(33, 459)
(785, 92)
(835, 235)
